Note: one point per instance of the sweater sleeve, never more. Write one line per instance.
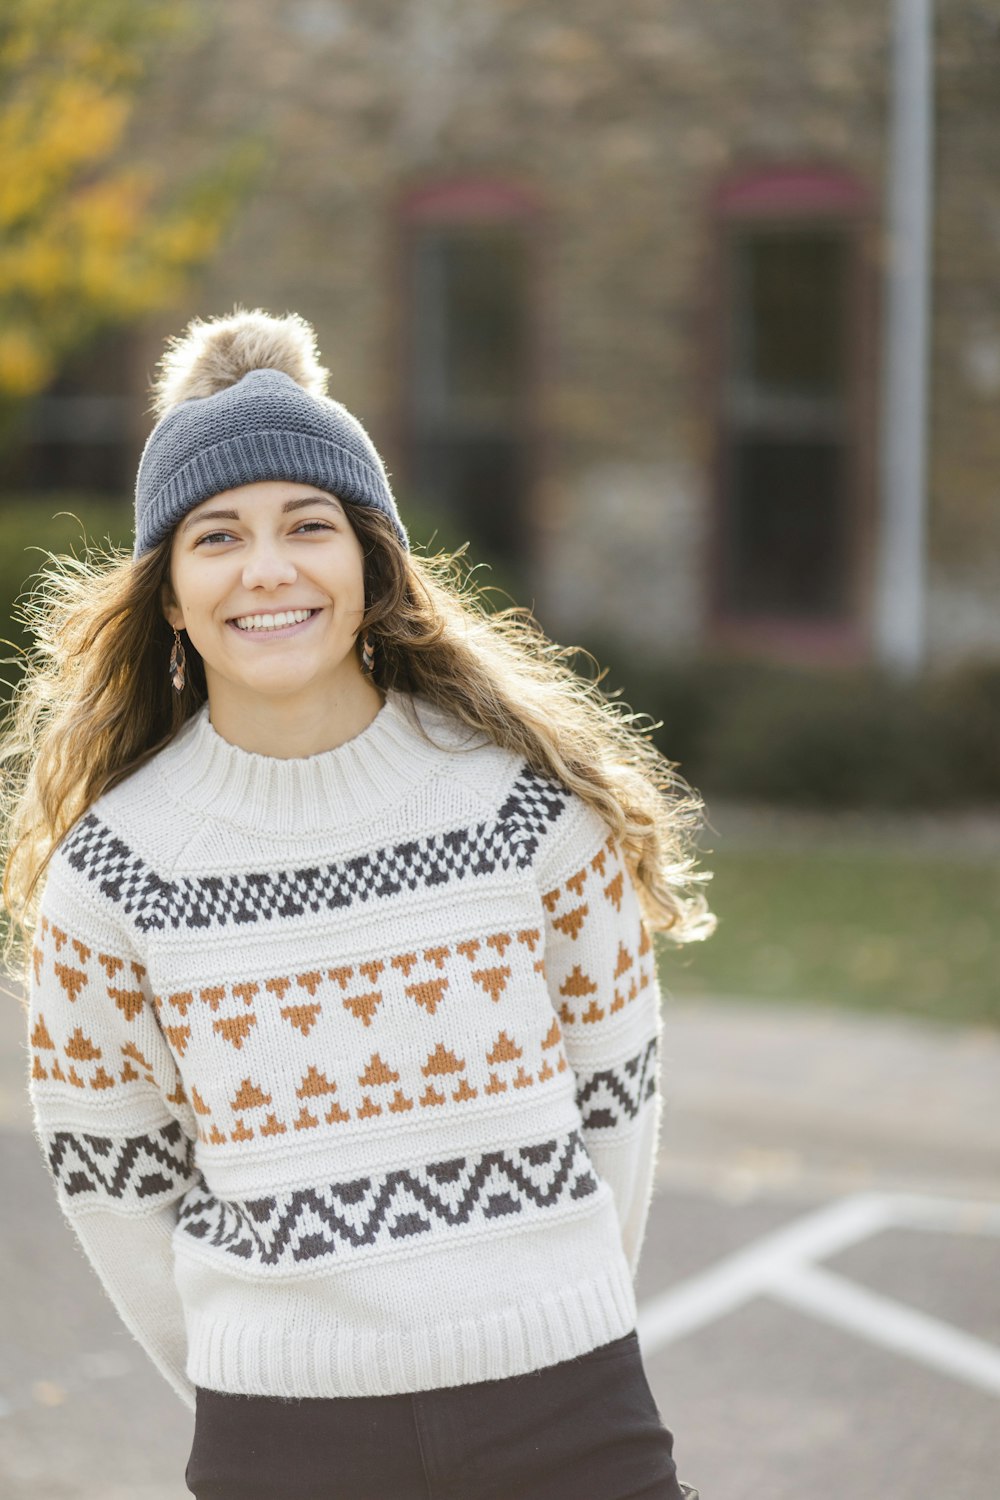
(601, 974)
(110, 1118)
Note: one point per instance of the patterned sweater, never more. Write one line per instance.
(346, 1068)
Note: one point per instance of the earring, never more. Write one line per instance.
(177, 662)
(367, 656)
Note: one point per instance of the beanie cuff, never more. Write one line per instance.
(297, 457)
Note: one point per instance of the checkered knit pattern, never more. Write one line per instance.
(346, 1069)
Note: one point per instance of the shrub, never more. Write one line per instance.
(32, 525)
(822, 739)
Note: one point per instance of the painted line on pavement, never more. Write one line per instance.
(882, 1320)
(703, 1298)
(781, 1265)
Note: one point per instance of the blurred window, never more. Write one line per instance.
(79, 434)
(788, 442)
(467, 401)
(785, 499)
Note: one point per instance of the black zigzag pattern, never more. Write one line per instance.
(154, 904)
(340, 1218)
(140, 1166)
(615, 1094)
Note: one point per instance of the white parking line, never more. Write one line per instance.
(953, 1215)
(782, 1265)
(701, 1299)
(884, 1321)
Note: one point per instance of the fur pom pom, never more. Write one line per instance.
(209, 356)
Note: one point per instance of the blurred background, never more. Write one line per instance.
(686, 317)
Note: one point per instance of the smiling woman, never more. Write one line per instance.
(336, 898)
(273, 603)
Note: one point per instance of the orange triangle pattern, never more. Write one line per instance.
(503, 1050)
(376, 1073)
(506, 1065)
(81, 1048)
(302, 1017)
(315, 1083)
(235, 1030)
(250, 1096)
(363, 1007)
(129, 1002)
(625, 961)
(441, 1060)
(178, 1037)
(493, 981)
(40, 1035)
(428, 994)
(72, 980)
(577, 984)
(571, 922)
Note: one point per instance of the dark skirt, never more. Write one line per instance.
(586, 1427)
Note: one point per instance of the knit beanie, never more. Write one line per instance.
(240, 399)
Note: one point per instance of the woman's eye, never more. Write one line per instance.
(225, 536)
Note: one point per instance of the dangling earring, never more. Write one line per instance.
(177, 662)
(367, 656)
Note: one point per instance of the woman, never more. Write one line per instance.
(344, 1019)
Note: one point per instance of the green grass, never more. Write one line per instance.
(875, 932)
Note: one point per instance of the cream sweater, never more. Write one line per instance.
(346, 1068)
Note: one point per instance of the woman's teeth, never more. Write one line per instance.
(273, 622)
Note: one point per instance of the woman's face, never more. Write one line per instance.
(245, 558)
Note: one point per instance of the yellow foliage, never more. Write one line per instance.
(188, 240)
(84, 236)
(43, 147)
(24, 367)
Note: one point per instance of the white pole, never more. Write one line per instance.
(900, 584)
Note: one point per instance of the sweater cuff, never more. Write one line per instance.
(133, 1259)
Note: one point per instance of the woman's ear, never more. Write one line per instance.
(171, 609)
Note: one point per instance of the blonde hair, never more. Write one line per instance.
(96, 702)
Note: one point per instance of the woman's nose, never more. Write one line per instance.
(267, 566)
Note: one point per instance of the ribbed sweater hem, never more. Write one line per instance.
(224, 1356)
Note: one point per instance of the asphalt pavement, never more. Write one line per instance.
(819, 1312)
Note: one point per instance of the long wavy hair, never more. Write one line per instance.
(96, 702)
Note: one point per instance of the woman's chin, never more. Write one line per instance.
(278, 681)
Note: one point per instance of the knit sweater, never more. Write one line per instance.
(346, 1068)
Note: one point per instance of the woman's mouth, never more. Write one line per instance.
(278, 624)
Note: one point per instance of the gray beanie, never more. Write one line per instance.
(265, 426)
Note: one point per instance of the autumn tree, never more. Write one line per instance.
(90, 236)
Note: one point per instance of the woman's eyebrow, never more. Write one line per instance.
(210, 515)
(234, 515)
(310, 500)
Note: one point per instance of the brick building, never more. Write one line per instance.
(611, 287)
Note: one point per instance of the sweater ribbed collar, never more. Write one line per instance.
(356, 781)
